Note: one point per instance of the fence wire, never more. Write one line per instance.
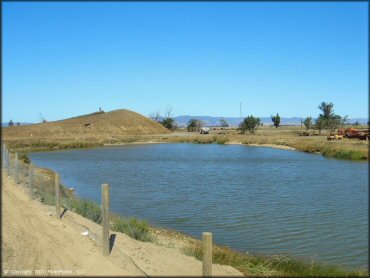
(38, 182)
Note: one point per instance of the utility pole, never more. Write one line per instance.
(241, 116)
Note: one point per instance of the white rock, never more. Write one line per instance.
(85, 233)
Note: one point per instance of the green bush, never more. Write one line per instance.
(87, 209)
(46, 198)
(137, 229)
(349, 154)
(268, 265)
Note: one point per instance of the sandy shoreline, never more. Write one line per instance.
(132, 143)
(282, 147)
(274, 146)
(46, 246)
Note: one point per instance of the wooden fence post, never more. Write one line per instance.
(57, 196)
(207, 254)
(16, 168)
(8, 160)
(4, 156)
(32, 185)
(105, 218)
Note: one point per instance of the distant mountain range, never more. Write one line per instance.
(182, 121)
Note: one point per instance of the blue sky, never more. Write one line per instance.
(65, 59)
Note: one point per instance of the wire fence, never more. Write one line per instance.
(38, 182)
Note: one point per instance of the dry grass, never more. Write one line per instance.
(283, 136)
(95, 125)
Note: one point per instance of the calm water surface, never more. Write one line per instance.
(254, 199)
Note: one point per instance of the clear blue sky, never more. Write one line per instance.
(67, 59)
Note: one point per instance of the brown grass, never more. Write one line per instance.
(282, 136)
(96, 125)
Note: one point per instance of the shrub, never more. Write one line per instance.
(87, 209)
(267, 265)
(137, 229)
(47, 199)
(249, 123)
(194, 125)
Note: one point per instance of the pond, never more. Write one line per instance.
(254, 199)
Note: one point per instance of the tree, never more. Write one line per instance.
(18, 123)
(276, 120)
(223, 123)
(328, 120)
(168, 112)
(327, 109)
(356, 123)
(194, 125)
(10, 123)
(155, 116)
(344, 121)
(168, 121)
(319, 124)
(249, 123)
(308, 123)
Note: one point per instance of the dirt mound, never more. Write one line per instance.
(114, 123)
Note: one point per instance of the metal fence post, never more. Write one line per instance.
(207, 254)
(16, 168)
(105, 218)
(57, 196)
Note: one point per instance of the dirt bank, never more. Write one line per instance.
(35, 242)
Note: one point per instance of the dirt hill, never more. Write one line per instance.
(100, 124)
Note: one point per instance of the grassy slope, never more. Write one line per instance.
(94, 126)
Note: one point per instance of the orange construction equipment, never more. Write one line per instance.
(362, 134)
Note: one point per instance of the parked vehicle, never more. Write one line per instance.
(204, 130)
(335, 136)
(303, 133)
(361, 134)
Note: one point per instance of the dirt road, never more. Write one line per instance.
(35, 242)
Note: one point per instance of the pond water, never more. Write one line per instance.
(254, 199)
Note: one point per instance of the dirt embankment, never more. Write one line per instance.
(35, 242)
